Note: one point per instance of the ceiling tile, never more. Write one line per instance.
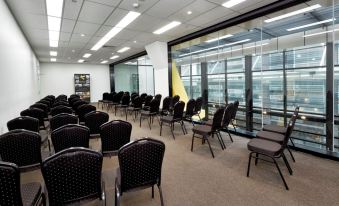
(147, 23)
(116, 16)
(143, 5)
(67, 25)
(211, 15)
(33, 21)
(72, 9)
(94, 12)
(107, 2)
(86, 28)
(78, 38)
(37, 34)
(251, 5)
(33, 6)
(164, 8)
(65, 36)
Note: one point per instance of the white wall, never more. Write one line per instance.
(58, 78)
(19, 70)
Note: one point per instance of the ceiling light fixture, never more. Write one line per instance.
(231, 3)
(87, 55)
(53, 53)
(219, 38)
(167, 27)
(104, 62)
(319, 33)
(53, 59)
(131, 16)
(53, 43)
(309, 25)
(81, 60)
(82, 35)
(189, 12)
(54, 7)
(54, 13)
(114, 57)
(123, 49)
(293, 13)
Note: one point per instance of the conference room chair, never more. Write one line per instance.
(71, 135)
(38, 114)
(61, 109)
(73, 100)
(175, 99)
(143, 97)
(147, 102)
(198, 106)
(166, 103)
(158, 97)
(178, 116)
(60, 102)
(135, 107)
(114, 135)
(61, 120)
(125, 100)
(43, 107)
(147, 156)
(207, 130)
(44, 101)
(234, 114)
(104, 99)
(94, 120)
(189, 113)
(73, 175)
(12, 192)
(77, 104)
(84, 109)
(150, 113)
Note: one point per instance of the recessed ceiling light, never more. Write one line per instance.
(53, 53)
(81, 60)
(231, 3)
(167, 27)
(293, 13)
(73, 50)
(309, 25)
(104, 62)
(219, 38)
(189, 12)
(319, 33)
(53, 59)
(123, 49)
(134, 41)
(135, 5)
(54, 7)
(82, 35)
(87, 55)
(114, 57)
(53, 43)
(131, 16)
(54, 13)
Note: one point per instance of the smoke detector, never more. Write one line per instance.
(136, 5)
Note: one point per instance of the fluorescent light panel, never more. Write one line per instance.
(87, 55)
(319, 33)
(53, 43)
(167, 27)
(104, 62)
(53, 59)
(123, 49)
(54, 14)
(81, 60)
(219, 38)
(114, 57)
(231, 3)
(309, 25)
(53, 53)
(130, 17)
(54, 7)
(293, 13)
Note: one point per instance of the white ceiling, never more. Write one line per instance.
(95, 18)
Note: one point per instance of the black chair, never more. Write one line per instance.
(166, 104)
(73, 100)
(178, 114)
(21, 147)
(147, 156)
(125, 100)
(104, 99)
(35, 113)
(71, 135)
(158, 97)
(61, 102)
(42, 106)
(61, 97)
(46, 102)
(114, 135)
(61, 120)
(271, 150)
(198, 106)
(84, 109)
(175, 99)
(73, 175)
(61, 109)
(189, 113)
(150, 113)
(205, 130)
(13, 193)
(234, 113)
(94, 120)
(77, 104)
(143, 97)
(147, 102)
(135, 107)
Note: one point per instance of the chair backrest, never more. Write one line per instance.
(94, 120)
(71, 135)
(198, 104)
(158, 97)
(143, 97)
(290, 127)
(114, 135)
(147, 156)
(296, 111)
(137, 103)
(10, 184)
(42, 106)
(125, 100)
(178, 110)
(110, 96)
(83, 110)
(25, 122)
(148, 100)
(154, 106)
(72, 175)
(228, 114)
(175, 99)
(235, 109)
(166, 103)
(61, 97)
(217, 119)
(61, 120)
(105, 96)
(47, 103)
(58, 103)
(35, 113)
(21, 147)
(72, 101)
(77, 104)
(190, 107)
(61, 109)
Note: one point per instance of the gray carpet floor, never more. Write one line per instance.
(196, 179)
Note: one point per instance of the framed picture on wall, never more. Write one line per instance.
(82, 86)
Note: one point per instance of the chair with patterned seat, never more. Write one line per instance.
(140, 165)
(61, 109)
(152, 112)
(71, 135)
(44, 107)
(35, 113)
(166, 104)
(73, 176)
(178, 116)
(198, 107)
(13, 192)
(114, 135)
(84, 109)
(61, 120)
(94, 120)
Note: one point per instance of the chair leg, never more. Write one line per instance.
(220, 141)
(249, 164)
(152, 191)
(256, 159)
(281, 175)
(149, 122)
(229, 134)
(126, 113)
(43, 197)
(287, 164)
(140, 119)
(172, 130)
(117, 197)
(292, 142)
(288, 149)
(233, 126)
(192, 142)
(161, 197)
(209, 145)
(183, 123)
(160, 127)
(182, 127)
